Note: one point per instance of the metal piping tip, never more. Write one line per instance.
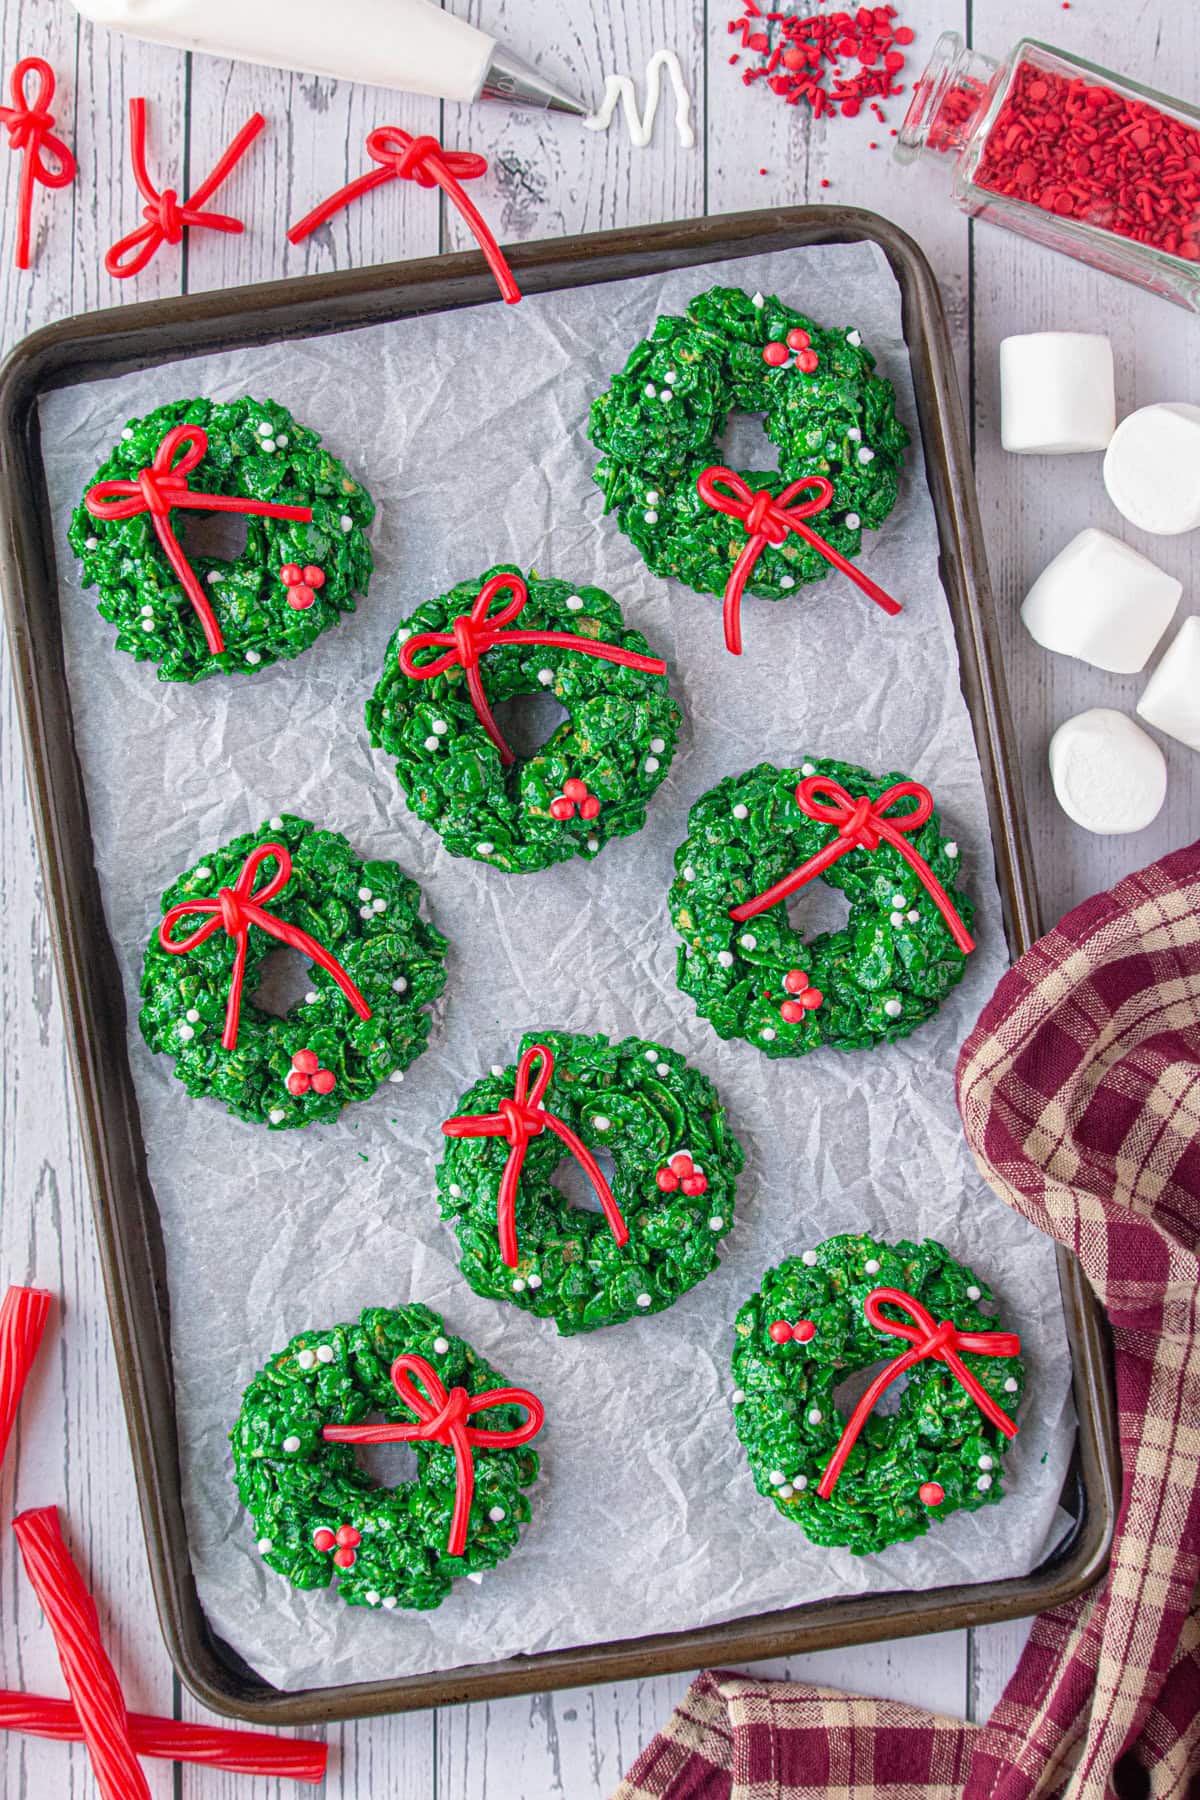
(511, 79)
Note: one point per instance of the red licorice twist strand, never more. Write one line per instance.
(165, 214)
(30, 130)
(23, 1314)
(174, 1740)
(473, 634)
(925, 1338)
(767, 519)
(519, 1119)
(164, 486)
(71, 1614)
(862, 824)
(423, 160)
(444, 1417)
(235, 910)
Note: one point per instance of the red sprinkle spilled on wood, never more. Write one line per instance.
(833, 62)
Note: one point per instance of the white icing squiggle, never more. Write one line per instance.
(619, 90)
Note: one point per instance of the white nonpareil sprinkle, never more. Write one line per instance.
(364, 893)
(518, 1285)
(396, 1077)
(147, 624)
(276, 823)
(658, 745)
(767, 1033)
(281, 439)
(808, 768)
(324, 1353)
(865, 455)
(671, 376)
(854, 434)
(740, 811)
(498, 1071)
(897, 918)
(748, 941)
(666, 395)
(652, 497)
(785, 1490)
(800, 1482)
(147, 612)
(372, 1597)
(213, 577)
(252, 657)
(651, 391)
(689, 874)
(650, 516)
(455, 1191)
(91, 543)
(757, 300)
(737, 1396)
(893, 1008)
(546, 677)
(432, 743)
(809, 1258)
(379, 904)
(404, 633)
(974, 1293)
(951, 849)
(346, 522)
(192, 1016)
(984, 1483)
(872, 1266)
(662, 1069)
(716, 1223)
(601, 1123)
(307, 1359)
(898, 900)
(651, 765)
(390, 1603)
(725, 958)
(276, 1115)
(265, 1546)
(127, 434)
(366, 912)
(854, 337)
(574, 602)
(440, 727)
(268, 444)
(985, 1462)
(593, 843)
(496, 1513)
(814, 1416)
(913, 916)
(291, 1445)
(1011, 1385)
(265, 430)
(651, 1055)
(853, 521)
(776, 1477)
(535, 1281)
(186, 1034)
(643, 1300)
(440, 1346)
(311, 998)
(485, 848)
(400, 985)
(787, 581)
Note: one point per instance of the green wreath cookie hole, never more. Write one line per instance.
(799, 1338)
(271, 600)
(675, 1165)
(317, 1514)
(305, 1066)
(589, 781)
(872, 981)
(660, 424)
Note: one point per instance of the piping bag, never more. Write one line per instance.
(407, 44)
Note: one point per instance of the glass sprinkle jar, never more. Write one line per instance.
(1069, 154)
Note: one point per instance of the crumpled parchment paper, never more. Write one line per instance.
(469, 429)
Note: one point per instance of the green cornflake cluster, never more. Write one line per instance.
(784, 1395)
(366, 914)
(642, 1104)
(255, 448)
(660, 425)
(618, 737)
(884, 973)
(294, 1484)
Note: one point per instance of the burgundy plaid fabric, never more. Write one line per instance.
(1080, 1092)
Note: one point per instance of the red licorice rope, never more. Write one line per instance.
(519, 1119)
(767, 519)
(835, 62)
(444, 1418)
(173, 1740)
(31, 130)
(1083, 152)
(423, 160)
(473, 634)
(23, 1314)
(71, 1614)
(165, 214)
(862, 824)
(235, 910)
(164, 486)
(925, 1338)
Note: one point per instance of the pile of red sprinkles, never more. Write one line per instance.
(835, 62)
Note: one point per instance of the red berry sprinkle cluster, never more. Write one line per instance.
(308, 1073)
(834, 61)
(804, 998)
(343, 1542)
(777, 354)
(802, 1332)
(1086, 153)
(574, 795)
(301, 584)
(681, 1172)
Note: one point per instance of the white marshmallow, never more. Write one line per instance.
(1101, 601)
(1172, 695)
(1152, 468)
(1057, 396)
(1108, 775)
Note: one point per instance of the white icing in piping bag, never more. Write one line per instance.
(620, 91)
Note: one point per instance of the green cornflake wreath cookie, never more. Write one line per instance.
(659, 427)
(589, 782)
(318, 1516)
(891, 965)
(876, 1478)
(375, 967)
(194, 615)
(669, 1203)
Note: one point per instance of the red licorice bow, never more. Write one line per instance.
(473, 634)
(31, 129)
(423, 160)
(165, 214)
(767, 519)
(925, 1338)
(519, 1119)
(235, 910)
(444, 1417)
(862, 824)
(164, 486)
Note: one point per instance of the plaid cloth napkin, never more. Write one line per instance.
(1080, 1092)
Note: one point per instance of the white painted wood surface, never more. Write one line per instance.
(548, 176)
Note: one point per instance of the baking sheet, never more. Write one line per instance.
(469, 429)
